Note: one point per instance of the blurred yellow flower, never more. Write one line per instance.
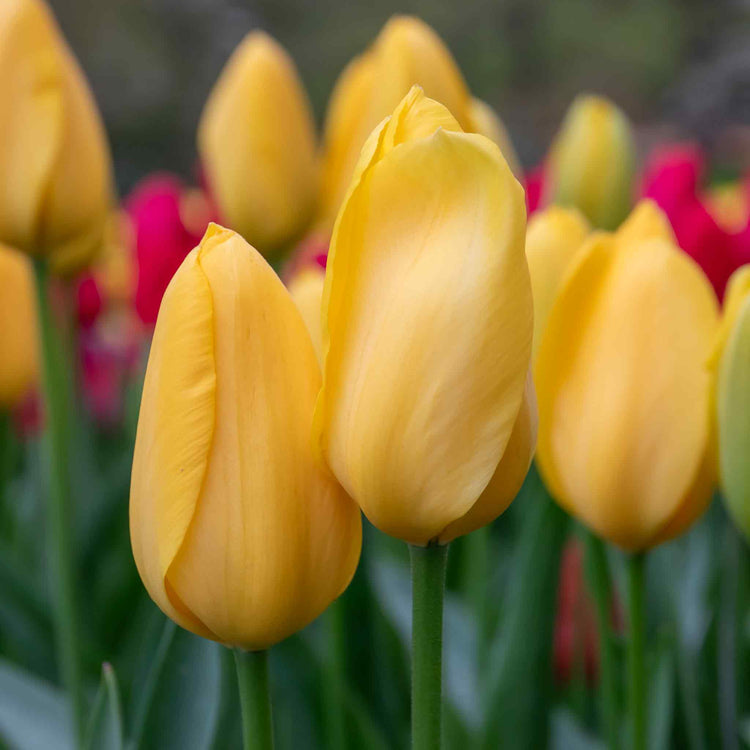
(237, 534)
(625, 427)
(306, 288)
(18, 328)
(733, 398)
(592, 162)
(257, 142)
(407, 52)
(426, 413)
(55, 170)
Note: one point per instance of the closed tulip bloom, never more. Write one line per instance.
(306, 288)
(55, 170)
(236, 532)
(18, 328)
(592, 162)
(625, 429)
(406, 52)
(485, 121)
(553, 237)
(426, 415)
(733, 399)
(257, 142)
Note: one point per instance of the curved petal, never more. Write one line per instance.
(553, 237)
(274, 540)
(509, 474)
(624, 417)
(646, 222)
(427, 324)
(486, 122)
(175, 432)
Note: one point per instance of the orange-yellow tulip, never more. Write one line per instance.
(238, 535)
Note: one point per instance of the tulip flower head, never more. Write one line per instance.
(237, 534)
(55, 170)
(733, 399)
(426, 415)
(257, 142)
(625, 430)
(18, 328)
(306, 288)
(592, 162)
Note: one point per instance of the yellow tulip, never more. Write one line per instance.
(18, 328)
(306, 288)
(592, 162)
(55, 170)
(425, 416)
(729, 204)
(733, 399)
(553, 237)
(406, 52)
(257, 142)
(625, 428)
(485, 121)
(237, 534)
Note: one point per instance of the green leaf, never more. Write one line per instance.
(661, 697)
(568, 734)
(518, 696)
(182, 695)
(33, 714)
(104, 731)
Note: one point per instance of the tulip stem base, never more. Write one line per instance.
(59, 512)
(600, 585)
(255, 699)
(635, 566)
(428, 567)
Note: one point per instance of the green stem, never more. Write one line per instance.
(59, 510)
(729, 641)
(476, 578)
(600, 585)
(334, 671)
(255, 699)
(428, 566)
(636, 650)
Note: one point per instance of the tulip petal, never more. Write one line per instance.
(486, 122)
(306, 289)
(175, 432)
(646, 221)
(427, 325)
(509, 474)
(624, 391)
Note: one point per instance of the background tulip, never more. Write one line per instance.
(407, 52)
(18, 328)
(624, 391)
(592, 162)
(733, 399)
(237, 534)
(306, 288)
(427, 329)
(257, 142)
(55, 171)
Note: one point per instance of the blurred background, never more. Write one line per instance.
(679, 68)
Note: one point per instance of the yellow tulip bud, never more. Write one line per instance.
(18, 328)
(625, 427)
(427, 327)
(485, 121)
(257, 142)
(406, 52)
(591, 164)
(236, 532)
(553, 237)
(306, 288)
(733, 399)
(55, 170)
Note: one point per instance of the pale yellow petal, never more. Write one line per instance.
(306, 289)
(509, 474)
(427, 326)
(553, 237)
(624, 391)
(647, 221)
